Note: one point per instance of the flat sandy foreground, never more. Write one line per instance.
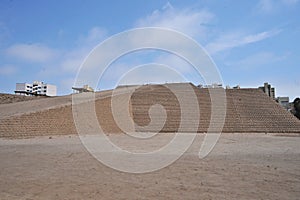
(241, 166)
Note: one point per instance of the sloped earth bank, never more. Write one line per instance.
(241, 166)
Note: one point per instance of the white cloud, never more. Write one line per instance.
(258, 60)
(271, 6)
(165, 62)
(289, 2)
(7, 70)
(235, 39)
(194, 23)
(74, 58)
(54, 65)
(265, 5)
(188, 21)
(156, 73)
(175, 62)
(95, 36)
(68, 60)
(32, 52)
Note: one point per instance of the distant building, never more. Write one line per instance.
(270, 91)
(284, 102)
(37, 88)
(85, 88)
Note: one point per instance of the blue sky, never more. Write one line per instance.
(251, 42)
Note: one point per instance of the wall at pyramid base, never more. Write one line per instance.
(247, 110)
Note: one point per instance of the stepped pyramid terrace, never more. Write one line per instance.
(247, 110)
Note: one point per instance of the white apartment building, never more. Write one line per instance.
(36, 88)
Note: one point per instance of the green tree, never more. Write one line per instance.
(297, 107)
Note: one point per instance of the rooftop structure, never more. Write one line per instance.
(85, 88)
(214, 85)
(269, 90)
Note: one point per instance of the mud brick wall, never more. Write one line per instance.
(248, 110)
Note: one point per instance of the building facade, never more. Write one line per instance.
(284, 102)
(37, 88)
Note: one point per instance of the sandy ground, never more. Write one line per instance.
(241, 166)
